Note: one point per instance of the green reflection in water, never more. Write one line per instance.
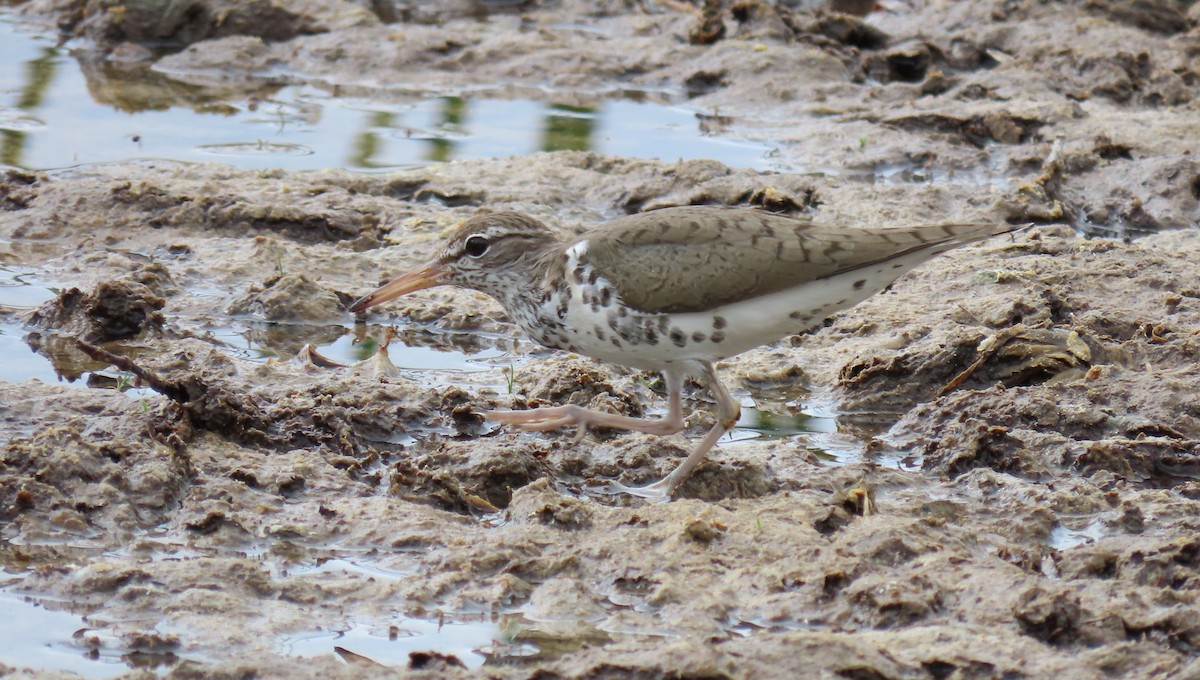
(39, 73)
(453, 114)
(367, 145)
(12, 143)
(364, 349)
(570, 129)
(775, 425)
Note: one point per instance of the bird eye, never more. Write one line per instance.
(476, 246)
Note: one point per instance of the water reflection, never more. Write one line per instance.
(35, 636)
(56, 113)
(569, 128)
(453, 115)
(133, 88)
(39, 73)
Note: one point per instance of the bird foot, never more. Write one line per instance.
(541, 419)
(550, 418)
(658, 492)
(555, 417)
(544, 419)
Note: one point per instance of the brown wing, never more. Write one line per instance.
(693, 259)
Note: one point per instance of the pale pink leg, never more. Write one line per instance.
(558, 417)
(728, 412)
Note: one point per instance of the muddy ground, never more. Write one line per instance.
(1029, 508)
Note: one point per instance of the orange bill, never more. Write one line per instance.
(426, 277)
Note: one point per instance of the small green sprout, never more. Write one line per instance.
(124, 380)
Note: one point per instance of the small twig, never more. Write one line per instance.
(171, 390)
(986, 350)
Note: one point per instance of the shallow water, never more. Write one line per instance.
(1076, 531)
(389, 643)
(22, 290)
(55, 113)
(37, 636)
(33, 636)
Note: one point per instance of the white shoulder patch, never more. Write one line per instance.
(577, 251)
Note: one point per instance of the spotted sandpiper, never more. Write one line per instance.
(672, 290)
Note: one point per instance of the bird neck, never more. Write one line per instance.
(536, 294)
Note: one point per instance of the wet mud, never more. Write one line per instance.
(1012, 488)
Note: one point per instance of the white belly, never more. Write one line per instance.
(649, 341)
